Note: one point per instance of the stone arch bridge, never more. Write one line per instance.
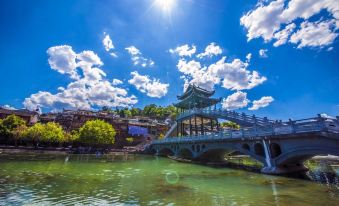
(282, 147)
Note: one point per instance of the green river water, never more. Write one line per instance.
(149, 180)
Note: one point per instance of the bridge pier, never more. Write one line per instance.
(285, 169)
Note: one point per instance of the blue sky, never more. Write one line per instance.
(296, 76)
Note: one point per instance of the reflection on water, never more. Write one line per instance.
(148, 180)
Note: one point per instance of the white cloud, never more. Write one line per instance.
(137, 58)
(116, 81)
(283, 35)
(184, 50)
(62, 59)
(153, 88)
(315, 34)
(9, 107)
(108, 44)
(267, 20)
(132, 50)
(236, 100)
(248, 57)
(232, 75)
(262, 102)
(88, 90)
(324, 115)
(263, 53)
(211, 50)
(263, 21)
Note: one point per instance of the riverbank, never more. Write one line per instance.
(60, 150)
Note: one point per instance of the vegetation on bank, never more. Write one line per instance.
(230, 125)
(13, 131)
(152, 111)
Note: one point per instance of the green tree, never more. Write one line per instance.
(13, 121)
(161, 136)
(106, 109)
(97, 132)
(47, 133)
(3, 130)
(130, 139)
(12, 127)
(231, 125)
(125, 113)
(73, 136)
(135, 112)
(17, 133)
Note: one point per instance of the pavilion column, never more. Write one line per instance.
(178, 125)
(202, 125)
(190, 126)
(211, 124)
(195, 126)
(182, 129)
(217, 125)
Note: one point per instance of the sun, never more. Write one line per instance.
(165, 5)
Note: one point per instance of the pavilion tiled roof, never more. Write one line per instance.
(196, 97)
(195, 89)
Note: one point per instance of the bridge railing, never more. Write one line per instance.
(229, 114)
(291, 127)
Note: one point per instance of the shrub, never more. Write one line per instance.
(97, 132)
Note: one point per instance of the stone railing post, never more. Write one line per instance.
(292, 125)
(272, 128)
(321, 122)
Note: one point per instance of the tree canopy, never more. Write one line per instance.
(50, 132)
(97, 132)
(150, 110)
(231, 125)
(10, 123)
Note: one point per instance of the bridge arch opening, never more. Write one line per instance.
(214, 155)
(185, 153)
(165, 152)
(259, 149)
(152, 151)
(198, 148)
(246, 147)
(275, 150)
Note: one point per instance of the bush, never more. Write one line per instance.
(231, 125)
(47, 133)
(130, 139)
(97, 132)
(12, 128)
(13, 121)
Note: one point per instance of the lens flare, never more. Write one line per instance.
(165, 5)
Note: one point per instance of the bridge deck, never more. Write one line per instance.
(318, 124)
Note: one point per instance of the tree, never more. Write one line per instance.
(13, 121)
(17, 133)
(135, 111)
(73, 136)
(231, 125)
(3, 130)
(9, 125)
(161, 136)
(125, 113)
(130, 139)
(153, 110)
(97, 132)
(47, 133)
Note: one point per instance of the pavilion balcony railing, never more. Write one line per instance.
(229, 114)
(318, 124)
